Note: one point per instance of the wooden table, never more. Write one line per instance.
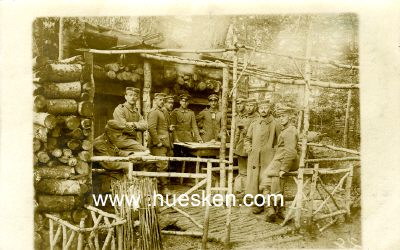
(208, 149)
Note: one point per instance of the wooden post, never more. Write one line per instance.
(348, 191)
(146, 94)
(300, 117)
(311, 197)
(225, 81)
(51, 232)
(231, 149)
(61, 40)
(307, 77)
(207, 211)
(346, 121)
(80, 234)
(89, 63)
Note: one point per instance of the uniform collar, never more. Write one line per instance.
(130, 107)
(266, 120)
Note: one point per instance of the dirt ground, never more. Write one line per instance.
(340, 235)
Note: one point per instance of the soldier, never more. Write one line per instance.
(285, 160)
(103, 144)
(184, 121)
(209, 120)
(167, 109)
(240, 180)
(128, 114)
(259, 143)
(159, 142)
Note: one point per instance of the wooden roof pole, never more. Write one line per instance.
(138, 51)
(231, 149)
(307, 77)
(309, 59)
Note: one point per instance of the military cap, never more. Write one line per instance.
(184, 96)
(213, 97)
(137, 90)
(241, 100)
(263, 102)
(159, 95)
(252, 101)
(169, 98)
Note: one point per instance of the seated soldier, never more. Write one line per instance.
(284, 160)
(105, 144)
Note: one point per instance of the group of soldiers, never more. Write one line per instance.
(265, 141)
(165, 125)
(266, 148)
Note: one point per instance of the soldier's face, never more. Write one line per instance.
(240, 107)
(264, 110)
(159, 102)
(131, 97)
(213, 104)
(169, 105)
(284, 119)
(184, 103)
(250, 108)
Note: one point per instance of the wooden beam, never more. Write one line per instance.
(346, 120)
(315, 83)
(181, 60)
(152, 51)
(310, 59)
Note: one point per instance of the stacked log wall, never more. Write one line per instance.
(62, 143)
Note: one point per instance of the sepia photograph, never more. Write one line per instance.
(196, 131)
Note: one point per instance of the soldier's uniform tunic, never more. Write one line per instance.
(186, 129)
(261, 138)
(126, 113)
(210, 122)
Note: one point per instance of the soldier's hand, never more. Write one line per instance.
(171, 127)
(281, 173)
(202, 131)
(201, 141)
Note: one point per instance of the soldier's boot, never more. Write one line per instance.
(280, 209)
(270, 215)
(257, 209)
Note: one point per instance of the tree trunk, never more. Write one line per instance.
(65, 90)
(86, 108)
(62, 106)
(86, 145)
(57, 203)
(76, 133)
(40, 102)
(58, 172)
(46, 120)
(56, 132)
(37, 144)
(61, 72)
(86, 123)
(52, 143)
(87, 132)
(43, 157)
(56, 152)
(59, 187)
(39, 62)
(84, 155)
(82, 168)
(67, 152)
(72, 162)
(40, 132)
(71, 122)
(73, 144)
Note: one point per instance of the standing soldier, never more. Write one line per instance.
(209, 120)
(159, 142)
(184, 121)
(243, 122)
(167, 109)
(261, 138)
(240, 180)
(128, 114)
(285, 160)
